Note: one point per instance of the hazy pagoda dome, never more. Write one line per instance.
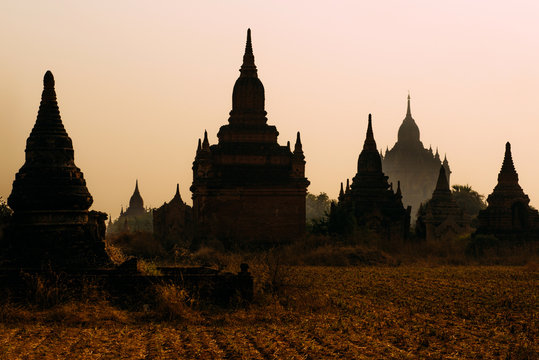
(136, 204)
(508, 214)
(409, 162)
(49, 179)
(409, 131)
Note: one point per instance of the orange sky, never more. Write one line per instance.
(139, 81)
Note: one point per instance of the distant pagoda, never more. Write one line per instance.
(370, 201)
(51, 224)
(508, 215)
(173, 223)
(440, 218)
(134, 218)
(136, 204)
(413, 165)
(247, 189)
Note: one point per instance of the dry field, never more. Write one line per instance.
(405, 312)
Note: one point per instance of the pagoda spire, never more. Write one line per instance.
(442, 184)
(408, 111)
(298, 148)
(48, 116)
(205, 143)
(370, 143)
(508, 174)
(341, 192)
(248, 68)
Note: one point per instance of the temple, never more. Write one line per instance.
(136, 204)
(508, 215)
(370, 202)
(248, 190)
(440, 219)
(51, 225)
(414, 166)
(135, 218)
(173, 223)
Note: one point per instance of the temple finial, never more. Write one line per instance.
(178, 189)
(248, 68)
(205, 143)
(442, 184)
(298, 148)
(408, 111)
(370, 143)
(399, 192)
(341, 192)
(48, 80)
(199, 147)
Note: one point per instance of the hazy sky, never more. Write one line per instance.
(139, 81)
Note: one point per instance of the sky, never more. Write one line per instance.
(138, 82)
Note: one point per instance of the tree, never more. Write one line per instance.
(317, 206)
(469, 200)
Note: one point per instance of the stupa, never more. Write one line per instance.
(51, 224)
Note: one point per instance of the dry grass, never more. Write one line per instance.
(450, 312)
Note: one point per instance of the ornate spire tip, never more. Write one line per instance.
(48, 79)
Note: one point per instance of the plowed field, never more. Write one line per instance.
(322, 313)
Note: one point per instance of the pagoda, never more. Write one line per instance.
(508, 215)
(248, 191)
(173, 223)
(370, 201)
(440, 218)
(412, 164)
(51, 224)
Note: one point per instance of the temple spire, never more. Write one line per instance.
(408, 111)
(205, 143)
(508, 174)
(442, 184)
(248, 68)
(177, 195)
(298, 148)
(341, 192)
(370, 143)
(49, 114)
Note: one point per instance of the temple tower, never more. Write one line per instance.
(173, 223)
(412, 164)
(51, 223)
(508, 215)
(136, 204)
(247, 189)
(440, 218)
(370, 200)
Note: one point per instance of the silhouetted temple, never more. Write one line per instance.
(247, 189)
(508, 215)
(173, 223)
(51, 224)
(370, 201)
(414, 166)
(136, 204)
(134, 218)
(440, 218)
